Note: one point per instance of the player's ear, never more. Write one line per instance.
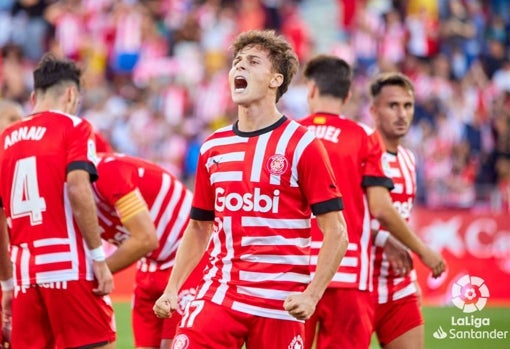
(276, 81)
(349, 94)
(33, 98)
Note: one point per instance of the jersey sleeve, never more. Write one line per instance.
(373, 172)
(116, 180)
(317, 180)
(81, 151)
(203, 197)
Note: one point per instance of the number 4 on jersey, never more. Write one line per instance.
(25, 198)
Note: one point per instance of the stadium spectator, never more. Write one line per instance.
(398, 321)
(344, 315)
(10, 112)
(143, 210)
(61, 278)
(256, 188)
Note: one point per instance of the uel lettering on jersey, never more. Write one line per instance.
(24, 133)
(328, 133)
(249, 202)
(404, 208)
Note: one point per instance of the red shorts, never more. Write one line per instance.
(148, 330)
(44, 316)
(343, 319)
(209, 325)
(392, 319)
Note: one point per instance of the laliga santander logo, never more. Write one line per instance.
(470, 294)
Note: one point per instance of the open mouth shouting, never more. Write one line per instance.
(240, 84)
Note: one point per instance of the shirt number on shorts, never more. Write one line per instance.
(193, 309)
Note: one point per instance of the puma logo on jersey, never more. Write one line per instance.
(24, 134)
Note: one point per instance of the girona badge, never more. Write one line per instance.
(277, 164)
(181, 341)
(297, 343)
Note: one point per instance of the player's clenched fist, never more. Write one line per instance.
(300, 305)
(165, 305)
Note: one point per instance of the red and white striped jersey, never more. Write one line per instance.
(167, 198)
(260, 188)
(36, 155)
(401, 167)
(355, 152)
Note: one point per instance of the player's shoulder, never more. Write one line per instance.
(222, 136)
(365, 128)
(73, 119)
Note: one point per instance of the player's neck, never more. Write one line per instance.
(254, 118)
(45, 105)
(327, 105)
(391, 144)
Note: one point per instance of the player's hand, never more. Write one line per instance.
(104, 278)
(6, 318)
(165, 305)
(398, 256)
(300, 305)
(434, 261)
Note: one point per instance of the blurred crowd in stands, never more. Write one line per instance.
(156, 74)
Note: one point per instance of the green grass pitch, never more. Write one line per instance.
(489, 320)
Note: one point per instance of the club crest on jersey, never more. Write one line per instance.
(181, 341)
(297, 343)
(277, 164)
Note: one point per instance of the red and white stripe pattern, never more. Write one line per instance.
(254, 183)
(401, 167)
(168, 200)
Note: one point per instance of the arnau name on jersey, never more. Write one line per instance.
(24, 134)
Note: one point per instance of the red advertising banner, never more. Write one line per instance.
(473, 243)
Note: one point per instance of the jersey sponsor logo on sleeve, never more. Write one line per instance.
(277, 164)
(248, 202)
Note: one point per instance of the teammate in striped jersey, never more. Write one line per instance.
(47, 164)
(344, 315)
(258, 182)
(143, 209)
(398, 320)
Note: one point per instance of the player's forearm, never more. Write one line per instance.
(381, 207)
(130, 251)
(191, 249)
(5, 261)
(397, 226)
(142, 240)
(333, 249)
(84, 208)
